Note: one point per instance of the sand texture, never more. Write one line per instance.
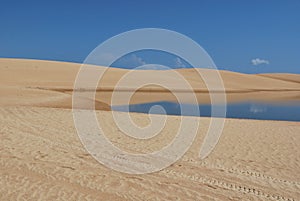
(42, 157)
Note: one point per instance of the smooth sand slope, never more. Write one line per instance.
(22, 81)
(42, 158)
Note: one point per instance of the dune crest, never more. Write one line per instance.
(23, 80)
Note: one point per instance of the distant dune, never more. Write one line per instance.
(50, 84)
(284, 76)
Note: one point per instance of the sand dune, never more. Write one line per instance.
(55, 82)
(284, 76)
(42, 157)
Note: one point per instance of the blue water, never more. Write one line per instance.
(246, 110)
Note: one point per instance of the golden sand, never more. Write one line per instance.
(42, 157)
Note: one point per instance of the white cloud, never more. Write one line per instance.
(132, 61)
(258, 61)
(129, 61)
(138, 61)
(153, 67)
(179, 63)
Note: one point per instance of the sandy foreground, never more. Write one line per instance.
(42, 157)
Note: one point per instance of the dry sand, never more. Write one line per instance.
(42, 157)
(21, 81)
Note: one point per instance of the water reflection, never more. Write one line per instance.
(289, 111)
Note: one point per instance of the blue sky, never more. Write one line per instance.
(232, 32)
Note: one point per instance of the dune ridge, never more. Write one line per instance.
(53, 83)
